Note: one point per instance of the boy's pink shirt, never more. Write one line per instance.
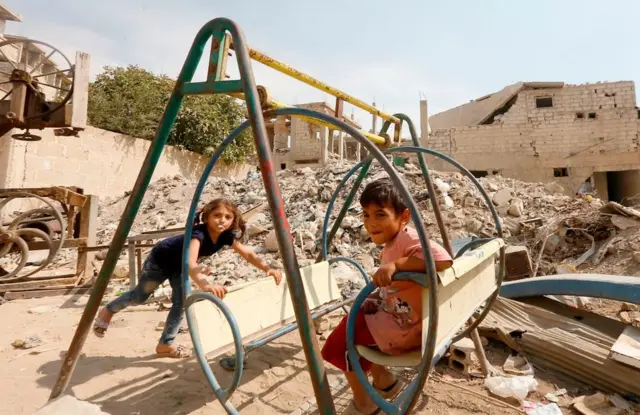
(397, 326)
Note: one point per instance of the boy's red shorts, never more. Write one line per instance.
(334, 350)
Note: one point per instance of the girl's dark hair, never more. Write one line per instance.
(382, 192)
(238, 226)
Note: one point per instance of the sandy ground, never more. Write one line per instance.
(121, 374)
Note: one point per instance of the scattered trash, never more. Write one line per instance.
(553, 396)
(506, 387)
(535, 408)
(28, 343)
(517, 365)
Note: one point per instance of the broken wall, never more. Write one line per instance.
(101, 162)
(589, 128)
(306, 142)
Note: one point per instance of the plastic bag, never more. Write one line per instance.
(517, 386)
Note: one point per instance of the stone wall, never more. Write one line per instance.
(101, 162)
(589, 128)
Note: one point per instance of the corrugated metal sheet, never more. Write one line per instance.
(563, 344)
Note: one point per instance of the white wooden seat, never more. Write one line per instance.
(463, 288)
(261, 308)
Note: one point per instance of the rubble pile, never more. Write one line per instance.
(556, 228)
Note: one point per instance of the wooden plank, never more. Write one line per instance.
(23, 295)
(80, 91)
(36, 285)
(88, 230)
(68, 243)
(260, 306)
(627, 348)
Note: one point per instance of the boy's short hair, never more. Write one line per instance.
(383, 192)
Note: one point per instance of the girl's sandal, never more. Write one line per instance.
(180, 352)
(100, 328)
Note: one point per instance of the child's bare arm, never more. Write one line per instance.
(252, 258)
(384, 275)
(196, 274)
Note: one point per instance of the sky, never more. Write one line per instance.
(391, 52)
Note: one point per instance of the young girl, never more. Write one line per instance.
(390, 319)
(222, 225)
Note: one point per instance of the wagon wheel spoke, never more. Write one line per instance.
(42, 61)
(7, 94)
(7, 59)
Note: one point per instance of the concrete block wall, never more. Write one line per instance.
(101, 162)
(528, 143)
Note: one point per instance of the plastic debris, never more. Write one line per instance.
(506, 387)
(518, 365)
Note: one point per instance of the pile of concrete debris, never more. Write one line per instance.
(557, 229)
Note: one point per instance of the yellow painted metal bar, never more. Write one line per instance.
(376, 139)
(309, 80)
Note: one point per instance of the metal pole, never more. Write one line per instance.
(283, 232)
(273, 104)
(311, 81)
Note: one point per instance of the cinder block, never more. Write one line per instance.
(462, 356)
(517, 262)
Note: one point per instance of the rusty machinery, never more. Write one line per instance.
(39, 91)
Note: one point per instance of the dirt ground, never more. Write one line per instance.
(121, 374)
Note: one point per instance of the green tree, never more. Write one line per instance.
(131, 101)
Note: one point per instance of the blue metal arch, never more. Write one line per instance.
(430, 278)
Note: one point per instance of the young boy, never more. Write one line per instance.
(390, 319)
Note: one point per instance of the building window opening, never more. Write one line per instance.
(283, 166)
(579, 115)
(544, 102)
(479, 173)
(561, 172)
(592, 115)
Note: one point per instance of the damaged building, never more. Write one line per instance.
(297, 143)
(584, 137)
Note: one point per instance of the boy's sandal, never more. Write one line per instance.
(180, 352)
(100, 327)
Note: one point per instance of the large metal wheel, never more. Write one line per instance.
(27, 226)
(18, 69)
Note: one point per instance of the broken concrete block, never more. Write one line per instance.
(271, 242)
(552, 244)
(517, 262)
(553, 188)
(503, 196)
(517, 208)
(469, 201)
(636, 257)
(67, 405)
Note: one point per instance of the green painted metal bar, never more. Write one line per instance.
(219, 87)
(345, 207)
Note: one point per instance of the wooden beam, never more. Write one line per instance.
(36, 285)
(23, 295)
(80, 97)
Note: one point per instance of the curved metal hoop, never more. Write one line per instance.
(378, 155)
(54, 246)
(222, 394)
